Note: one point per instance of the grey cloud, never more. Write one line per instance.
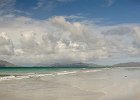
(6, 45)
(28, 43)
(136, 35)
(123, 30)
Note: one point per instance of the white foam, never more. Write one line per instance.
(90, 71)
(21, 77)
(41, 75)
(31, 75)
(7, 78)
(66, 72)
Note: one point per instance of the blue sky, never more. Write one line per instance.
(111, 11)
(36, 32)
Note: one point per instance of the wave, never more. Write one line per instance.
(90, 71)
(66, 72)
(37, 75)
(33, 75)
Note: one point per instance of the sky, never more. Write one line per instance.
(42, 32)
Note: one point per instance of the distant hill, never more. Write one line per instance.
(71, 65)
(6, 64)
(129, 64)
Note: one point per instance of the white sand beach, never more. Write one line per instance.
(86, 84)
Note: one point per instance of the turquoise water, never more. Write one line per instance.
(20, 70)
(8, 70)
(10, 73)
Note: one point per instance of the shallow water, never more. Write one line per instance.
(72, 84)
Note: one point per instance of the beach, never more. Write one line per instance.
(75, 84)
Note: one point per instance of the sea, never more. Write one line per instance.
(7, 73)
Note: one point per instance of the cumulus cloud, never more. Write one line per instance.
(30, 41)
(6, 45)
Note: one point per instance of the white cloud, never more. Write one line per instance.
(30, 41)
(65, 0)
(49, 5)
(109, 3)
(7, 6)
(39, 4)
